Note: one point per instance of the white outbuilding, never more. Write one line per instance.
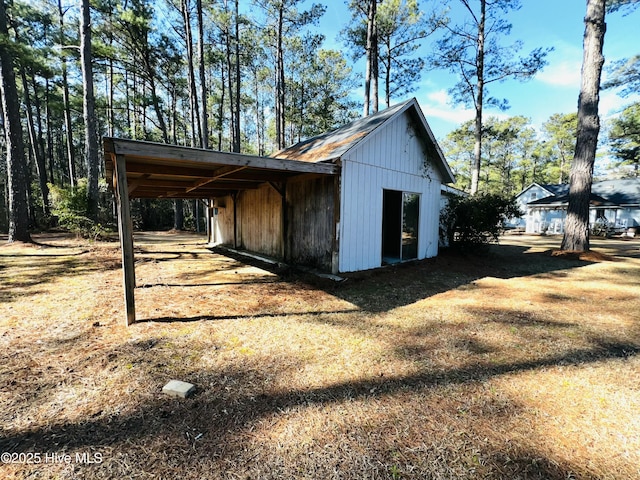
(364, 195)
(381, 207)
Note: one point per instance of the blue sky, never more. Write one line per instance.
(539, 23)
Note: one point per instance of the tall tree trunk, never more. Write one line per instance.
(178, 215)
(233, 134)
(49, 158)
(204, 122)
(221, 107)
(42, 165)
(193, 95)
(576, 236)
(155, 99)
(236, 145)
(280, 82)
(17, 175)
(110, 95)
(48, 115)
(374, 58)
(371, 12)
(34, 140)
(477, 148)
(174, 115)
(387, 77)
(90, 128)
(65, 100)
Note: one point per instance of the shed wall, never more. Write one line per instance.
(391, 158)
(310, 221)
(259, 223)
(310, 216)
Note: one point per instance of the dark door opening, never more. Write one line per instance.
(391, 225)
(400, 215)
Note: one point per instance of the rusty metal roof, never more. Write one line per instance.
(331, 146)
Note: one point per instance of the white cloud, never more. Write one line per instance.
(439, 97)
(612, 104)
(565, 73)
(436, 104)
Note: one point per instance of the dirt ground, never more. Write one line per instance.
(511, 364)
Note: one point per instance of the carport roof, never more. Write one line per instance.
(156, 170)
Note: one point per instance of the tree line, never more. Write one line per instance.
(201, 73)
(241, 76)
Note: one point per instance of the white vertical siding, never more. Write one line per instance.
(391, 158)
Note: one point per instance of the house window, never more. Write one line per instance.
(400, 225)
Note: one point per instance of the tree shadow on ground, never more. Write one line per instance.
(384, 289)
(395, 286)
(210, 430)
(43, 269)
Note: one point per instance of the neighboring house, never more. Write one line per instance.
(614, 206)
(382, 207)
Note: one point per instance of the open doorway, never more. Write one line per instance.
(400, 224)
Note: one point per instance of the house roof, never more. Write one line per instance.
(620, 192)
(556, 188)
(563, 200)
(331, 146)
(551, 189)
(606, 193)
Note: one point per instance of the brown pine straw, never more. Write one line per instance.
(514, 364)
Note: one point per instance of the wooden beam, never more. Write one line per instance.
(279, 187)
(190, 157)
(234, 196)
(169, 170)
(125, 228)
(136, 183)
(223, 172)
(187, 187)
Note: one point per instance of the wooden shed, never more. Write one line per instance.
(353, 199)
(383, 206)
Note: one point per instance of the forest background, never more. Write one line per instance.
(254, 77)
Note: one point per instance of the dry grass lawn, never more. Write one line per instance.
(517, 364)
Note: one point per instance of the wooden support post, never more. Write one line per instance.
(209, 216)
(235, 219)
(335, 244)
(285, 223)
(125, 229)
(281, 188)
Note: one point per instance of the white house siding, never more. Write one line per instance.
(533, 220)
(629, 217)
(391, 158)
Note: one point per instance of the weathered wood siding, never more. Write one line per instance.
(259, 221)
(310, 218)
(390, 158)
(310, 224)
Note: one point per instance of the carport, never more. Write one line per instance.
(136, 169)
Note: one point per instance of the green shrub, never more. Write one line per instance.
(477, 220)
(69, 206)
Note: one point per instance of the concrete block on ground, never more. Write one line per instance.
(177, 388)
